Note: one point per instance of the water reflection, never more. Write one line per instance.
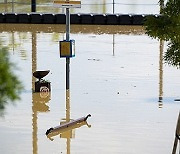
(39, 101)
(161, 48)
(39, 104)
(166, 27)
(34, 58)
(153, 121)
(67, 131)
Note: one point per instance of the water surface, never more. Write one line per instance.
(117, 76)
(93, 6)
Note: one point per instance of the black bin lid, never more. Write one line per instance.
(40, 74)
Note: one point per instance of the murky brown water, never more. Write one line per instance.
(117, 76)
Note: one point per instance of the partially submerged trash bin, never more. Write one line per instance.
(42, 85)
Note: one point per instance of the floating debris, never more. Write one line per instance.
(94, 59)
(66, 125)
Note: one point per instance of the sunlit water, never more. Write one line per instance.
(114, 77)
(88, 6)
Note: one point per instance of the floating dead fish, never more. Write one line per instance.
(66, 125)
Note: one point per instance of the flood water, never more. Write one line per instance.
(93, 6)
(117, 76)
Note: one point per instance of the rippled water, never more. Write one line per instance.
(116, 76)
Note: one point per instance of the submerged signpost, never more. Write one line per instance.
(67, 50)
(66, 47)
